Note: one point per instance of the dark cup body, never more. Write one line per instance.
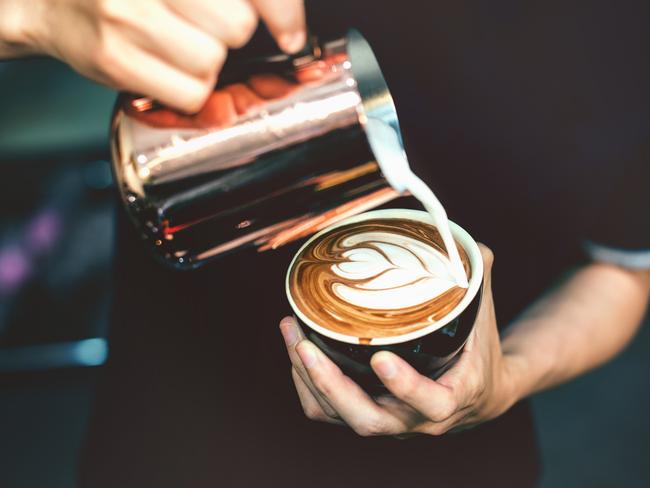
(431, 355)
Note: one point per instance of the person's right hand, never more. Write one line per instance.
(169, 50)
(480, 386)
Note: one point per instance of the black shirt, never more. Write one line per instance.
(530, 120)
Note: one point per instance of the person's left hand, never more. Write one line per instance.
(477, 388)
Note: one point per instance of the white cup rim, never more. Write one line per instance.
(460, 234)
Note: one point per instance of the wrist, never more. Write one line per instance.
(21, 28)
(513, 379)
(517, 378)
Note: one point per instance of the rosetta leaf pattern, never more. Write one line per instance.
(393, 272)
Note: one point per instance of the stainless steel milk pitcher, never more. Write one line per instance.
(273, 156)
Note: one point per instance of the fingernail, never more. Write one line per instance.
(385, 368)
(307, 355)
(289, 333)
(293, 42)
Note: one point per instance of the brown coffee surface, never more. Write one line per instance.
(312, 281)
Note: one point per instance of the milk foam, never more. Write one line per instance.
(393, 271)
(375, 278)
(385, 142)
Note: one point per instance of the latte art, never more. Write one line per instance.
(376, 278)
(390, 271)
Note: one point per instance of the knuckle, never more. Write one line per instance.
(438, 416)
(473, 395)
(112, 10)
(435, 429)
(445, 410)
(474, 383)
(314, 413)
(321, 384)
(477, 388)
(361, 431)
(104, 56)
(372, 427)
(476, 399)
(442, 430)
(194, 98)
(481, 390)
(472, 386)
(364, 431)
(244, 27)
(214, 57)
(108, 60)
(449, 408)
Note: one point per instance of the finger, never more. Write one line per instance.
(244, 98)
(488, 261)
(218, 111)
(129, 68)
(175, 40)
(285, 20)
(421, 424)
(465, 379)
(292, 334)
(353, 405)
(270, 86)
(310, 405)
(403, 411)
(433, 400)
(455, 423)
(485, 322)
(232, 21)
(488, 257)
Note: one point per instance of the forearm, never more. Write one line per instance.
(576, 327)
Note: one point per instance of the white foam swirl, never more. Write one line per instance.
(394, 271)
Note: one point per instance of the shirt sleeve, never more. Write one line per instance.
(619, 222)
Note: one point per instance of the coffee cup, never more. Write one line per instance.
(431, 348)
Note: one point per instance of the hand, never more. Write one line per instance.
(477, 388)
(169, 50)
(223, 106)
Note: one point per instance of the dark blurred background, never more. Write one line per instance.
(56, 240)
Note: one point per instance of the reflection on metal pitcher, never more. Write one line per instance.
(273, 156)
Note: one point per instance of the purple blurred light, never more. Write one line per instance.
(15, 267)
(43, 231)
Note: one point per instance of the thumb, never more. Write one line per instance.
(285, 20)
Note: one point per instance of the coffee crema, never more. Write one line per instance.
(376, 278)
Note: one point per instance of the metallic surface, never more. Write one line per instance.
(276, 154)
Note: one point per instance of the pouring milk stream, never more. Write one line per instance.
(384, 140)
